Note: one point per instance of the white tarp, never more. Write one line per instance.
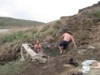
(86, 65)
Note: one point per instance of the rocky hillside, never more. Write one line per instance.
(85, 27)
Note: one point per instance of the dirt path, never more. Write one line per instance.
(93, 72)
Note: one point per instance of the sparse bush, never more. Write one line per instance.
(1, 27)
(88, 22)
(19, 35)
(45, 28)
(13, 37)
(33, 32)
(57, 24)
(96, 13)
(14, 67)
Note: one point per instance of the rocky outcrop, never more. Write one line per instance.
(85, 25)
(85, 28)
(9, 52)
(90, 7)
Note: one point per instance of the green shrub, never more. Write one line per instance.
(14, 67)
(15, 36)
(45, 28)
(96, 13)
(1, 27)
(57, 24)
(33, 32)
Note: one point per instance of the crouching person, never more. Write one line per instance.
(66, 38)
(37, 47)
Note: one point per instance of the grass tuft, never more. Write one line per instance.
(96, 13)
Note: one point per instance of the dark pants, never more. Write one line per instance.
(63, 44)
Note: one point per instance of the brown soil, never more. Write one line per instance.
(58, 65)
(86, 31)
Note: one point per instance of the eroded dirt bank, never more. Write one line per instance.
(85, 27)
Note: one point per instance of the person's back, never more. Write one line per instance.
(67, 37)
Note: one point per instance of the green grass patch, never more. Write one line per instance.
(33, 33)
(14, 67)
(45, 28)
(19, 36)
(9, 69)
(11, 22)
(57, 24)
(2, 27)
(96, 13)
(15, 36)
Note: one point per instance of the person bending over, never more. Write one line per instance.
(66, 38)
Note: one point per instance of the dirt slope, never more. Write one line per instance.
(85, 27)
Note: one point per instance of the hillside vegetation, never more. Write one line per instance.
(85, 27)
(6, 22)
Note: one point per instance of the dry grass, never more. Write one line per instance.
(37, 32)
(18, 34)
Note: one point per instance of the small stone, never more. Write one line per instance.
(81, 51)
(91, 47)
(42, 60)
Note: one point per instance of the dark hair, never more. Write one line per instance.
(69, 32)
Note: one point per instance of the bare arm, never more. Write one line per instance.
(61, 37)
(34, 47)
(40, 47)
(73, 41)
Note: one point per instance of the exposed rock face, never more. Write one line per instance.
(8, 52)
(91, 7)
(85, 26)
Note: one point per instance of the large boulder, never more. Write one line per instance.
(41, 58)
(9, 52)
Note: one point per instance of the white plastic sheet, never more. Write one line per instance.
(86, 65)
